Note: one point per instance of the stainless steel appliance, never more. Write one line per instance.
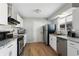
(9, 35)
(61, 46)
(19, 33)
(21, 30)
(48, 29)
(12, 21)
(45, 34)
(71, 34)
(20, 44)
(4, 35)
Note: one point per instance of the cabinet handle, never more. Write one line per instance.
(10, 46)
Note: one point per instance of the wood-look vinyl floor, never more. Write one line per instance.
(38, 49)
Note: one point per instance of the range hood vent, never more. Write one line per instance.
(12, 21)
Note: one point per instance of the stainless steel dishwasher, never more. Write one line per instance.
(62, 46)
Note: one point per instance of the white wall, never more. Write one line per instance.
(28, 24)
(38, 30)
(33, 27)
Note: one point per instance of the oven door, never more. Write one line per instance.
(20, 45)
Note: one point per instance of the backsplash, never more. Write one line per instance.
(6, 28)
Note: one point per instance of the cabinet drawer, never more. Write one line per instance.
(73, 44)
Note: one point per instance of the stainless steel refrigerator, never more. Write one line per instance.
(45, 34)
(48, 29)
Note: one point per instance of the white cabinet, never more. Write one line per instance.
(12, 48)
(71, 51)
(9, 49)
(50, 40)
(12, 11)
(3, 13)
(20, 20)
(69, 18)
(25, 39)
(53, 42)
(4, 51)
(76, 19)
(72, 48)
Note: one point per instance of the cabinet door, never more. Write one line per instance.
(3, 13)
(54, 44)
(14, 13)
(14, 48)
(76, 19)
(4, 52)
(71, 51)
(20, 20)
(50, 41)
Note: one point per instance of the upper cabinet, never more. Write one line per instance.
(69, 22)
(12, 11)
(76, 19)
(20, 20)
(3, 13)
(61, 24)
(7, 10)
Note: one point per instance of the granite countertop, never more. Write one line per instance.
(67, 38)
(6, 41)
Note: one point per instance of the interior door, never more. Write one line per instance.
(38, 31)
(40, 34)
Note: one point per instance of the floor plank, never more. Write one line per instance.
(38, 49)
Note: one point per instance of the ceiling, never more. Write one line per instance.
(37, 10)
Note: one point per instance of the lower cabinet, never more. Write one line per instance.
(4, 52)
(72, 49)
(53, 42)
(10, 49)
(13, 48)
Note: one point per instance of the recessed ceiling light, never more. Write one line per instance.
(37, 11)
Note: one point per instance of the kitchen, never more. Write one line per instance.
(29, 24)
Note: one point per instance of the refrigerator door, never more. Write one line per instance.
(45, 34)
